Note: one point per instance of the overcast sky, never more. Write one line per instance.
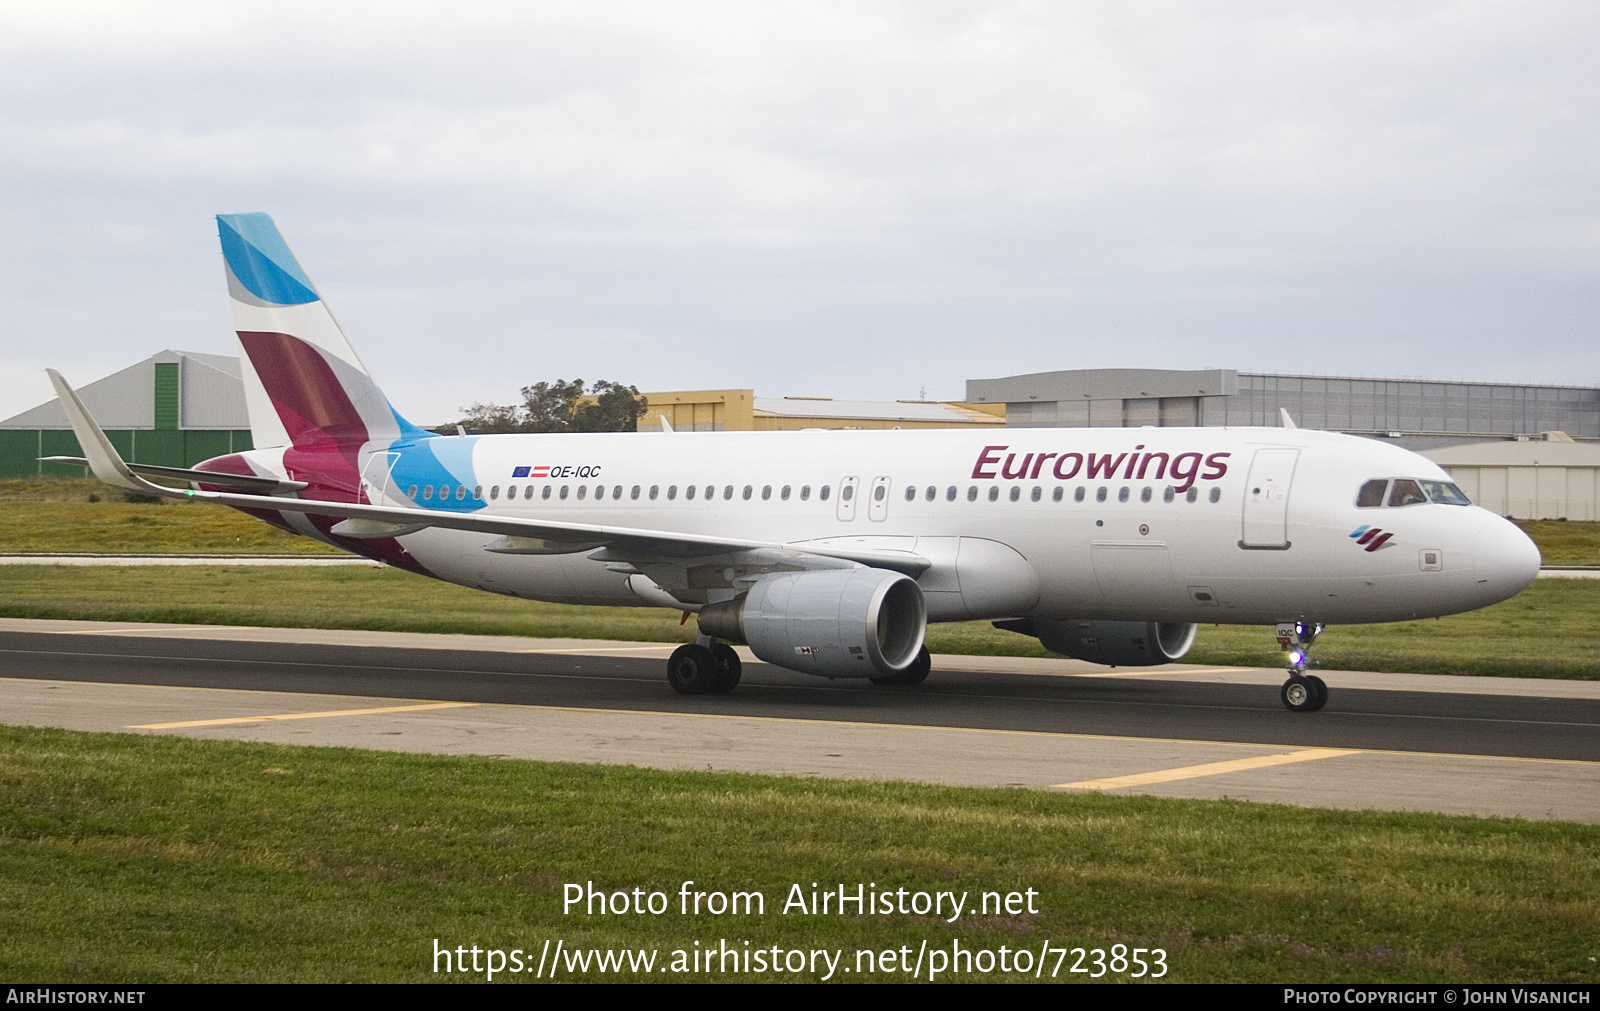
(861, 200)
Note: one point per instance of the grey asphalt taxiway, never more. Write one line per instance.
(1485, 746)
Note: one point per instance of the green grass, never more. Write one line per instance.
(161, 859)
(47, 515)
(1564, 542)
(1551, 629)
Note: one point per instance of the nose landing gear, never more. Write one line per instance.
(1302, 693)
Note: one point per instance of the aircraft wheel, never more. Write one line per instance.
(1300, 694)
(728, 667)
(912, 675)
(693, 670)
(1320, 688)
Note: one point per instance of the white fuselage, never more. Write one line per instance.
(1258, 525)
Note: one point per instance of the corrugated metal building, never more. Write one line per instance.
(1417, 413)
(1539, 479)
(173, 409)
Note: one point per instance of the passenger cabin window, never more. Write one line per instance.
(1406, 492)
(1055, 496)
(994, 493)
(805, 492)
(672, 492)
(1077, 494)
(784, 494)
(911, 493)
(494, 492)
(972, 493)
(411, 492)
(1216, 494)
(1371, 494)
(822, 493)
(688, 492)
(543, 494)
(427, 492)
(950, 494)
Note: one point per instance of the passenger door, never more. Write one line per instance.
(1266, 500)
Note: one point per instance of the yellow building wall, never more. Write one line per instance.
(734, 411)
(700, 411)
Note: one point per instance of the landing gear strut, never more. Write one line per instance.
(704, 668)
(1302, 693)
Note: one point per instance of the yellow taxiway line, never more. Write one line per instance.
(302, 716)
(1208, 769)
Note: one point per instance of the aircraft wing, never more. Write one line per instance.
(517, 535)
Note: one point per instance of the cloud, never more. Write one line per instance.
(849, 199)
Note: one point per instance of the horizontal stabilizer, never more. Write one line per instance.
(185, 474)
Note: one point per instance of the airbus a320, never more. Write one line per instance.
(829, 552)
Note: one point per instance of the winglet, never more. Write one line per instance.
(102, 457)
(1284, 419)
(666, 426)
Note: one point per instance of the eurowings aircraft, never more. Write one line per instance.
(828, 552)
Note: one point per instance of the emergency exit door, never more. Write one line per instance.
(1266, 500)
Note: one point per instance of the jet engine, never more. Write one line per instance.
(837, 623)
(1113, 643)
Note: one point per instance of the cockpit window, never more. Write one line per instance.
(1371, 494)
(1445, 493)
(1406, 492)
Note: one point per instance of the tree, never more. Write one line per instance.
(561, 406)
(489, 419)
(551, 407)
(614, 408)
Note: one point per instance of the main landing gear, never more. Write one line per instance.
(912, 675)
(702, 668)
(1302, 693)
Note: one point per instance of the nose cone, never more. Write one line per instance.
(1504, 559)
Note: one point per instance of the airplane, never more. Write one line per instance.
(829, 552)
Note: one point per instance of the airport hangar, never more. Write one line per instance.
(1526, 451)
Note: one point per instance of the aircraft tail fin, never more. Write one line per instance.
(304, 383)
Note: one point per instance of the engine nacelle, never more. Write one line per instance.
(1113, 643)
(838, 623)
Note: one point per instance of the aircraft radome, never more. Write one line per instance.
(828, 552)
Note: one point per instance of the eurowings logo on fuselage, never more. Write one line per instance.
(1372, 537)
